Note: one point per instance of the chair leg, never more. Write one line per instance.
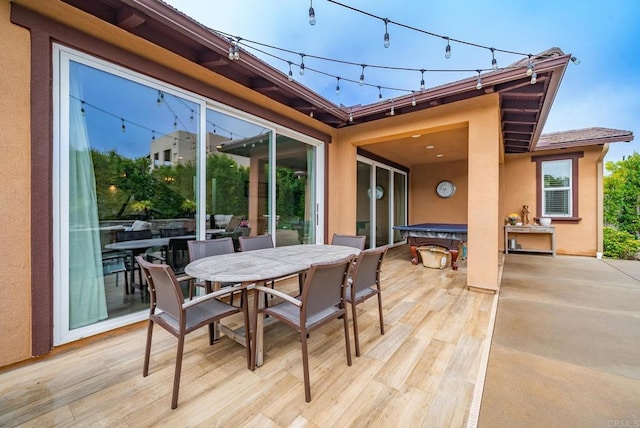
(356, 338)
(305, 365)
(147, 351)
(347, 342)
(380, 310)
(176, 376)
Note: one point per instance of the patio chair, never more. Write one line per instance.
(207, 248)
(322, 300)
(172, 232)
(134, 235)
(355, 241)
(363, 284)
(169, 310)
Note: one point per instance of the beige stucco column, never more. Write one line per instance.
(483, 200)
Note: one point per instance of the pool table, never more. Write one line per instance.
(448, 235)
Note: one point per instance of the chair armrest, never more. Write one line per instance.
(215, 294)
(279, 294)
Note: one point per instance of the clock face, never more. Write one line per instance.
(445, 189)
(379, 192)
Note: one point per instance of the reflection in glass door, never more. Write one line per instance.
(381, 201)
(296, 203)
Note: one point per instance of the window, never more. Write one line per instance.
(557, 186)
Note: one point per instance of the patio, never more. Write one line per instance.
(423, 370)
(564, 352)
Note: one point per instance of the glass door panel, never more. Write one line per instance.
(381, 196)
(399, 204)
(237, 176)
(295, 190)
(127, 155)
(363, 202)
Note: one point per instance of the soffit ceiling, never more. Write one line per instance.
(522, 104)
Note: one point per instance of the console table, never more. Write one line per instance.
(533, 229)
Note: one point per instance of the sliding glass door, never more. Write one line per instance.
(381, 202)
(138, 161)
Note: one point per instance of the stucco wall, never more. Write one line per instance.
(425, 206)
(15, 233)
(520, 189)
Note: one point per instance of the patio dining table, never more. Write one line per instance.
(263, 265)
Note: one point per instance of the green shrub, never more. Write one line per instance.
(619, 244)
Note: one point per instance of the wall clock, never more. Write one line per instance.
(445, 189)
(379, 192)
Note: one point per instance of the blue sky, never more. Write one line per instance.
(603, 90)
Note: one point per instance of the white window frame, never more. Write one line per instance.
(568, 188)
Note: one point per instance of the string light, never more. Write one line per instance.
(350, 117)
(153, 135)
(534, 77)
(494, 63)
(290, 77)
(123, 127)
(529, 67)
(231, 49)
(361, 81)
(413, 99)
(479, 81)
(386, 33)
(312, 15)
(392, 112)
(175, 122)
(379, 93)
(337, 86)
(447, 50)
(82, 108)
(236, 52)
(575, 60)
(302, 64)
(191, 117)
(160, 98)
(422, 80)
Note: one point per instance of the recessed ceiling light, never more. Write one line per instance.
(439, 155)
(416, 136)
(430, 147)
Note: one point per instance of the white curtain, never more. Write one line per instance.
(87, 300)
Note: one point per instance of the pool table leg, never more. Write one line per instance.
(414, 254)
(454, 258)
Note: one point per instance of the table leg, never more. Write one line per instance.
(214, 327)
(414, 253)
(259, 330)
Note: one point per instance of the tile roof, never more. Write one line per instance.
(583, 137)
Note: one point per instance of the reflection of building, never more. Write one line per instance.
(179, 147)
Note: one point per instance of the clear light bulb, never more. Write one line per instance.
(494, 64)
(386, 40)
(312, 16)
(447, 51)
(290, 75)
(534, 78)
(361, 82)
(479, 83)
(529, 69)
(422, 85)
(302, 69)
(231, 52)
